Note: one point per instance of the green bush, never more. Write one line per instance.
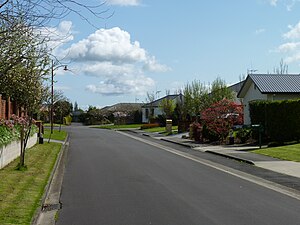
(280, 119)
(243, 134)
(149, 125)
(67, 120)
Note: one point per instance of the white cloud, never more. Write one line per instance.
(289, 46)
(108, 45)
(152, 65)
(124, 2)
(119, 63)
(273, 2)
(127, 84)
(57, 36)
(294, 32)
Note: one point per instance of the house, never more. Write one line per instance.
(123, 113)
(153, 109)
(268, 87)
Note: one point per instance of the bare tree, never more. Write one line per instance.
(282, 69)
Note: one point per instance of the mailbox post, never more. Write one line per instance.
(259, 127)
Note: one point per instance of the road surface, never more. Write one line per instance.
(112, 179)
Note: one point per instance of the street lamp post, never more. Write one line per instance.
(52, 91)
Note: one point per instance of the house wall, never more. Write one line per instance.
(12, 151)
(157, 112)
(275, 97)
(252, 94)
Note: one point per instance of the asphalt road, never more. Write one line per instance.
(111, 179)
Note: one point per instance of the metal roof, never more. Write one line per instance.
(275, 83)
(272, 83)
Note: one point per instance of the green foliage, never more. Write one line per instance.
(62, 109)
(280, 119)
(168, 106)
(243, 134)
(67, 120)
(219, 91)
(8, 135)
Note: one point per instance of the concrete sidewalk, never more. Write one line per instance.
(241, 153)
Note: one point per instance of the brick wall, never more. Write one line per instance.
(7, 108)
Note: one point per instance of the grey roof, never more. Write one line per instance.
(157, 102)
(236, 87)
(272, 83)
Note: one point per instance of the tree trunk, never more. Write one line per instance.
(22, 153)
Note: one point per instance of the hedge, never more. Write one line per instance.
(280, 119)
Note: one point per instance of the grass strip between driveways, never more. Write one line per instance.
(57, 135)
(288, 152)
(159, 129)
(21, 191)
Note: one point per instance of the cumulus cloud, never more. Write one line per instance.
(292, 45)
(260, 31)
(57, 36)
(107, 45)
(124, 2)
(119, 63)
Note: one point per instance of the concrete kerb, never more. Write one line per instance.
(211, 151)
(50, 203)
(231, 157)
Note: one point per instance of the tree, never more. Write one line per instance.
(195, 98)
(168, 106)
(282, 69)
(76, 106)
(23, 72)
(219, 91)
(220, 118)
(62, 108)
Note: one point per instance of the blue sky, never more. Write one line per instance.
(150, 46)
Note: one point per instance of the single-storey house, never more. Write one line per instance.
(153, 109)
(268, 87)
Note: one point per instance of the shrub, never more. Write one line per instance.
(67, 120)
(244, 134)
(280, 119)
(149, 125)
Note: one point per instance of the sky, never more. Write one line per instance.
(141, 46)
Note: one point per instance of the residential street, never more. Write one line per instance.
(112, 179)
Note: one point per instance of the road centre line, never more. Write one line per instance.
(245, 176)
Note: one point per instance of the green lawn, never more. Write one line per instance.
(61, 136)
(127, 126)
(21, 191)
(54, 125)
(288, 152)
(159, 129)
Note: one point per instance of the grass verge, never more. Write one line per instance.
(127, 126)
(57, 135)
(159, 129)
(54, 125)
(21, 191)
(288, 152)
